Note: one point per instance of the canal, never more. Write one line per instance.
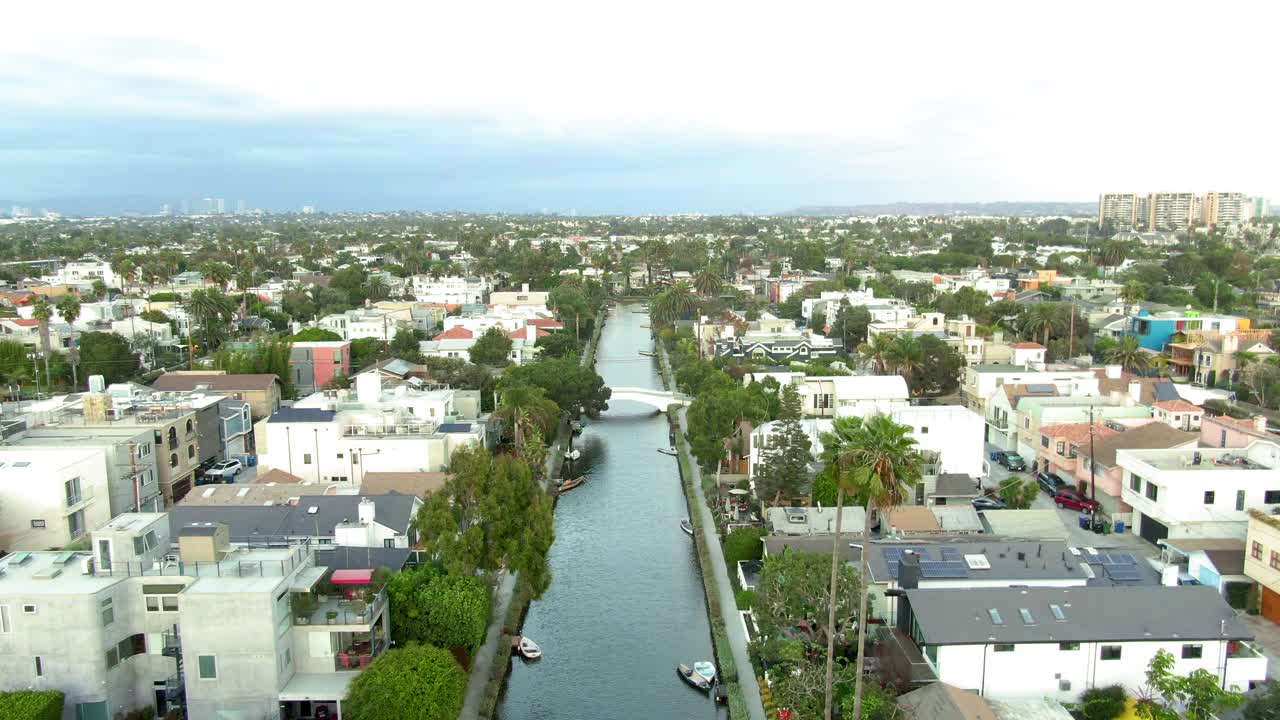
(626, 602)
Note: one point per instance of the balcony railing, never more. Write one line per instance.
(359, 655)
(78, 501)
(338, 611)
(999, 423)
(1241, 649)
(402, 429)
(903, 659)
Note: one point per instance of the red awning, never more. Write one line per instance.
(351, 577)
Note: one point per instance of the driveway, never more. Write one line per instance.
(1267, 639)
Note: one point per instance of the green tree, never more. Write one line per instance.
(315, 334)
(793, 595)
(525, 408)
(850, 325)
(154, 316)
(31, 705)
(1017, 493)
(1199, 695)
(570, 385)
(1040, 318)
(558, 345)
(713, 417)
(265, 358)
(405, 345)
(218, 273)
(212, 311)
(743, 544)
(568, 301)
(457, 611)
(1265, 706)
(708, 282)
(938, 372)
(408, 603)
(784, 463)
(674, 303)
(367, 351)
(417, 682)
(108, 355)
(68, 308)
(1103, 703)
(493, 348)
(877, 460)
(1129, 355)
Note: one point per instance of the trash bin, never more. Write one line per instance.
(1084, 521)
(1119, 527)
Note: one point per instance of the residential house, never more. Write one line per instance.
(51, 496)
(451, 291)
(366, 322)
(1224, 431)
(1036, 412)
(983, 381)
(1178, 414)
(940, 701)
(385, 520)
(1057, 642)
(1002, 413)
(1199, 493)
(833, 395)
(1156, 330)
(1214, 562)
(523, 296)
(317, 363)
(1060, 445)
(775, 340)
(1098, 463)
(1262, 561)
(261, 391)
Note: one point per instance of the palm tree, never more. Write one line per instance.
(878, 462)
(69, 309)
(878, 352)
(526, 407)
(673, 303)
(907, 356)
(219, 273)
(42, 311)
(377, 288)
(1129, 355)
(1040, 318)
(124, 267)
(1133, 292)
(211, 310)
(708, 282)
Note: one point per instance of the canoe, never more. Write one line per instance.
(668, 451)
(568, 485)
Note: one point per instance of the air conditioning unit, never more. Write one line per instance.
(86, 565)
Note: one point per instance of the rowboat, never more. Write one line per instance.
(692, 677)
(529, 649)
(568, 485)
(687, 526)
(706, 669)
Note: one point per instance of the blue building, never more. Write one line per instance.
(1155, 331)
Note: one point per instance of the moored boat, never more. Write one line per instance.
(567, 485)
(573, 454)
(706, 669)
(692, 677)
(687, 526)
(529, 649)
(668, 451)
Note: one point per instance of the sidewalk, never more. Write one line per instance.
(728, 605)
(482, 663)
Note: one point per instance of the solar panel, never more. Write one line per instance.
(893, 568)
(950, 553)
(1119, 558)
(944, 569)
(893, 553)
(1123, 572)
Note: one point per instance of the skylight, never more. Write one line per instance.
(1027, 619)
(313, 510)
(995, 616)
(1058, 614)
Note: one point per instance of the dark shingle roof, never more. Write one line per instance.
(455, 428)
(352, 558)
(315, 415)
(223, 383)
(961, 616)
(392, 510)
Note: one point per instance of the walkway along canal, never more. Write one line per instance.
(626, 602)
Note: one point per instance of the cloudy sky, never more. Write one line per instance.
(654, 106)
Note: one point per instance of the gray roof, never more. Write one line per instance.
(956, 485)
(455, 428)
(300, 415)
(821, 544)
(392, 510)
(338, 557)
(1039, 561)
(961, 616)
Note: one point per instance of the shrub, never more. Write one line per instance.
(1103, 703)
(31, 705)
(417, 682)
(315, 335)
(745, 599)
(742, 544)
(164, 297)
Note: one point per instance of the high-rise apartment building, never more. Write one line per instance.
(240, 207)
(219, 205)
(1173, 210)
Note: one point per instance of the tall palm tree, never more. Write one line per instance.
(708, 282)
(907, 356)
(879, 353)
(218, 273)
(526, 407)
(1040, 318)
(69, 308)
(211, 310)
(42, 311)
(877, 461)
(1129, 355)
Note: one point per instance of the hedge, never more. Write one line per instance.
(31, 705)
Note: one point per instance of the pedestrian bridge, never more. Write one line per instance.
(657, 399)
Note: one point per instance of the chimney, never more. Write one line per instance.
(1260, 423)
(366, 511)
(909, 571)
(1114, 372)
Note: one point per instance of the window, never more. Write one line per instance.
(1135, 483)
(1271, 497)
(162, 598)
(1240, 501)
(1068, 647)
(173, 459)
(173, 438)
(1152, 492)
(130, 646)
(4, 619)
(38, 524)
(208, 666)
(1208, 497)
(75, 523)
(191, 451)
(306, 458)
(1058, 614)
(389, 543)
(1002, 647)
(1275, 560)
(113, 657)
(29, 609)
(108, 612)
(1044, 441)
(994, 614)
(190, 426)
(72, 488)
(1192, 652)
(1255, 551)
(1073, 451)
(39, 667)
(1110, 652)
(1061, 447)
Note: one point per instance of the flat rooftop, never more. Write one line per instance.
(1190, 459)
(1012, 560)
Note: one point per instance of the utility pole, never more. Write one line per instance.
(1071, 336)
(1093, 493)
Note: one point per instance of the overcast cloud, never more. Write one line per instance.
(601, 107)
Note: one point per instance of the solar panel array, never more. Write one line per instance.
(1123, 572)
(943, 569)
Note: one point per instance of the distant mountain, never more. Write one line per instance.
(1002, 209)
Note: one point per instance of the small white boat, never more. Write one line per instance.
(692, 677)
(529, 649)
(573, 454)
(668, 451)
(706, 669)
(687, 526)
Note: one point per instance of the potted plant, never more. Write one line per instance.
(332, 617)
(360, 608)
(324, 588)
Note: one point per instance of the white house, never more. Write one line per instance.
(51, 496)
(1204, 493)
(452, 290)
(1034, 642)
(83, 272)
(829, 396)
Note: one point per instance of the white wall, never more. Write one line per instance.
(248, 664)
(38, 492)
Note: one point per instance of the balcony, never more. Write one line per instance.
(398, 429)
(331, 610)
(901, 658)
(79, 501)
(1245, 665)
(358, 651)
(1000, 423)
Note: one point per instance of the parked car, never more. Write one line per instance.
(988, 503)
(1068, 497)
(1011, 460)
(227, 470)
(1050, 482)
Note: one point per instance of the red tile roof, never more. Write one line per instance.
(1076, 432)
(1027, 346)
(25, 322)
(1178, 406)
(455, 333)
(546, 323)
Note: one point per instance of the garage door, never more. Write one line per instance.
(1153, 530)
(1270, 604)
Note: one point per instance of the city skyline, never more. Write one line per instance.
(742, 113)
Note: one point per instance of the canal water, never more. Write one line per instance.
(626, 602)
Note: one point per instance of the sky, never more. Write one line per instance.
(632, 108)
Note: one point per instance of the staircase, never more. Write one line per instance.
(175, 689)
